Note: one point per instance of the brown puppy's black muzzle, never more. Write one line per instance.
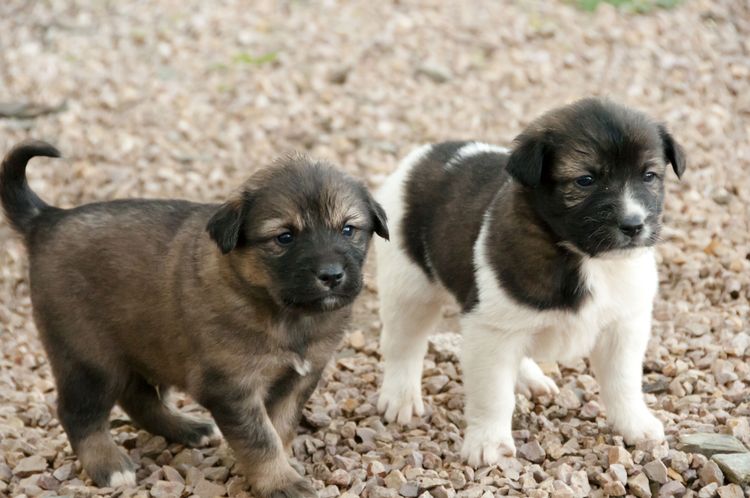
(331, 275)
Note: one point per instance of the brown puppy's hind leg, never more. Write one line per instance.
(86, 397)
(148, 409)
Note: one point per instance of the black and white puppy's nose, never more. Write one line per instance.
(331, 275)
(632, 225)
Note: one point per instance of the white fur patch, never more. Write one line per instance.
(122, 479)
(473, 149)
(215, 436)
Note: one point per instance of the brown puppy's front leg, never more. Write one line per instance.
(287, 397)
(242, 418)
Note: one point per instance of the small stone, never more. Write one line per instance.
(709, 444)
(672, 488)
(426, 482)
(395, 480)
(457, 478)
(567, 398)
(638, 485)
(381, 492)
(436, 72)
(618, 454)
(208, 489)
(730, 491)
(357, 339)
(436, 383)
(708, 491)
(614, 488)
(154, 446)
(679, 461)
(217, 474)
(439, 492)
(656, 471)
(409, 489)
(618, 472)
(193, 476)
(431, 460)
(579, 481)
(590, 410)
(166, 489)
(340, 477)
(30, 465)
(171, 474)
(376, 469)
(329, 492)
(318, 419)
(533, 452)
(46, 481)
(366, 434)
(64, 472)
(736, 466)
(710, 472)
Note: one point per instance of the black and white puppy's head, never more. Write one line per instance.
(594, 172)
(300, 229)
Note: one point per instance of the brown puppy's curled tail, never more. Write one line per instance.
(21, 205)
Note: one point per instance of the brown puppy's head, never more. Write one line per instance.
(300, 229)
(594, 173)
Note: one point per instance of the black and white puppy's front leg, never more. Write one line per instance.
(617, 361)
(241, 415)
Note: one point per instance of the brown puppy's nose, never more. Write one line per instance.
(331, 275)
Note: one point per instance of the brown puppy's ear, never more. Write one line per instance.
(526, 162)
(379, 219)
(224, 226)
(673, 152)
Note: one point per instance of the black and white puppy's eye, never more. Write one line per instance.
(348, 230)
(585, 181)
(649, 176)
(285, 238)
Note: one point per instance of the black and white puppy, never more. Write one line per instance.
(548, 249)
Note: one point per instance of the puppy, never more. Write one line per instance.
(239, 304)
(548, 249)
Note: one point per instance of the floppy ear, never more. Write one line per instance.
(224, 226)
(379, 218)
(673, 151)
(526, 162)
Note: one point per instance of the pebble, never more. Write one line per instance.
(208, 489)
(672, 488)
(709, 444)
(532, 452)
(710, 472)
(730, 491)
(167, 489)
(30, 465)
(736, 466)
(639, 485)
(656, 471)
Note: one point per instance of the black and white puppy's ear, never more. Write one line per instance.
(225, 225)
(530, 154)
(379, 219)
(673, 152)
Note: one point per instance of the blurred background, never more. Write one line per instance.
(185, 98)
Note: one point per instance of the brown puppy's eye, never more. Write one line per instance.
(285, 238)
(649, 176)
(585, 181)
(348, 230)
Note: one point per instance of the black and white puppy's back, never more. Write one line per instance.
(548, 250)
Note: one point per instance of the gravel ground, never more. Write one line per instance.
(186, 98)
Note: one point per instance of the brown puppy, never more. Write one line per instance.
(240, 305)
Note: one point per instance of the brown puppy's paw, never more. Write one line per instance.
(297, 489)
(197, 434)
(113, 473)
